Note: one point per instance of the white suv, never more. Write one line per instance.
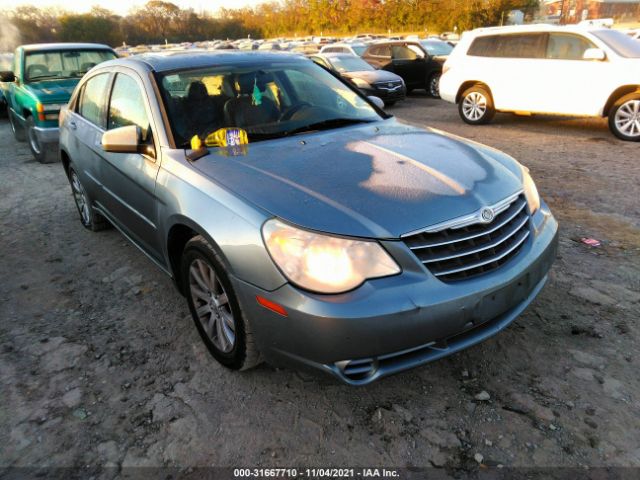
(577, 71)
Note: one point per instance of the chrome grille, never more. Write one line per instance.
(471, 247)
(391, 86)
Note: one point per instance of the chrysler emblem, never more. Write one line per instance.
(487, 215)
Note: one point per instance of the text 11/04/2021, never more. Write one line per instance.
(315, 473)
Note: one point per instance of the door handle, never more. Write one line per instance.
(72, 125)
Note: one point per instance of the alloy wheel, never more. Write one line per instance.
(212, 306)
(80, 198)
(474, 106)
(434, 86)
(627, 118)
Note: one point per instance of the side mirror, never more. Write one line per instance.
(7, 77)
(377, 101)
(125, 140)
(594, 54)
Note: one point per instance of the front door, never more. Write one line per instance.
(129, 179)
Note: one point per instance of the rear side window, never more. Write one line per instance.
(530, 45)
(92, 99)
(401, 52)
(567, 47)
(127, 106)
(381, 51)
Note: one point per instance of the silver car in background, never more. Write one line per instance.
(304, 225)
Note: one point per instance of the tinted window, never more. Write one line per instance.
(92, 99)
(509, 46)
(436, 47)
(127, 105)
(381, 51)
(401, 52)
(567, 47)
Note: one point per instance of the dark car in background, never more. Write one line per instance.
(387, 86)
(411, 60)
(6, 61)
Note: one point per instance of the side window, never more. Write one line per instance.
(401, 52)
(520, 46)
(530, 45)
(482, 47)
(127, 106)
(417, 50)
(92, 99)
(381, 51)
(567, 47)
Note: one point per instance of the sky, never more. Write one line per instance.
(121, 7)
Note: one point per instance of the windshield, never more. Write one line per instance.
(63, 64)
(267, 101)
(437, 48)
(349, 63)
(359, 50)
(622, 44)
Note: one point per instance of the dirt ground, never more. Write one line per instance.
(101, 367)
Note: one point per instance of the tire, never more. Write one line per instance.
(624, 118)
(215, 309)
(476, 106)
(90, 219)
(16, 128)
(433, 85)
(37, 150)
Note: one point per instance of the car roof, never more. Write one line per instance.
(64, 46)
(336, 55)
(169, 61)
(534, 28)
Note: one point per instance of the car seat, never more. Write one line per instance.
(242, 110)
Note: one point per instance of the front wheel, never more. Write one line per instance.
(476, 106)
(434, 85)
(624, 118)
(214, 307)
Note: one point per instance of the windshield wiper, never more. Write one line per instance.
(326, 125)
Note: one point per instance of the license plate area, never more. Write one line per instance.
(502, 300)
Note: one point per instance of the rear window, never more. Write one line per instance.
(529, 45)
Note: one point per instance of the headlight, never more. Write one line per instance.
(324, 263)
(360, 83)
(530, 191)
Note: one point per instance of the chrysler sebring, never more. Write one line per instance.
(304, 225)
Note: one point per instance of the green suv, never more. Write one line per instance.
(41, 82)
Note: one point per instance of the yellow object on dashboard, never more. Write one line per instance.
(227, 137)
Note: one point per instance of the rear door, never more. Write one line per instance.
(409, 61)
(86, 124)
(511, 65)
(129, 179)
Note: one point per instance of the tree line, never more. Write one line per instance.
(159, 21)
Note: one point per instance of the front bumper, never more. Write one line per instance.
(392, 324)
(386, 95)
(48, 136)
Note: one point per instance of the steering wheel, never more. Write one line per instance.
(292, 110)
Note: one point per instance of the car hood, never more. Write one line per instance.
(53, 91)
(377, 180)
(373, 76)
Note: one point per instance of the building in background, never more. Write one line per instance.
(575, 11)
